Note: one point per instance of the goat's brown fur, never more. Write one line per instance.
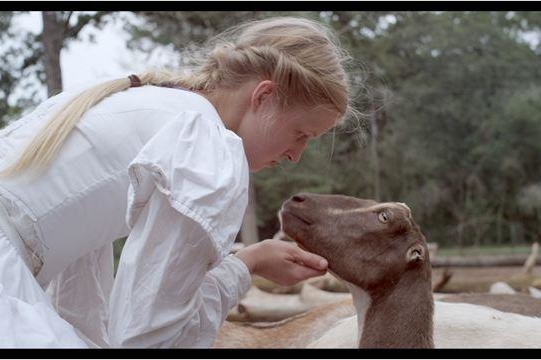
(376, 247)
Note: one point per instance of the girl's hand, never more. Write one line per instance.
(282, 262)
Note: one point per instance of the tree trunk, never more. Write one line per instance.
(53, 38)
(374, 152)
(248, 231)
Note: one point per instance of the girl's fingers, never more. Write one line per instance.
(311, 260)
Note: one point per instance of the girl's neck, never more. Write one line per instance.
(231, 105)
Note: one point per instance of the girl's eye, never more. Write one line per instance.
(383, 217)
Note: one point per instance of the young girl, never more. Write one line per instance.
(164, 160)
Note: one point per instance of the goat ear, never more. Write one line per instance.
(415, 254)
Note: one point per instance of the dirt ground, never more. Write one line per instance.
(479, 279)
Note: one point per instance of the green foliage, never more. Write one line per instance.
(465, 122)
(22, 69)
(20, 54)
(186, 31)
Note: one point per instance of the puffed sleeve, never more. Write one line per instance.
(164, 294)
(175, 282)
(201, 168)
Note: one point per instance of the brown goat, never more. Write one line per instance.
(379, 251)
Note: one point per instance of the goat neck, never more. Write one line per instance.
(400, 317)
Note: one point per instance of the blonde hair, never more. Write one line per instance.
(302, 57)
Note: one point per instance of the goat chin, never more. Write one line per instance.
(456, 325)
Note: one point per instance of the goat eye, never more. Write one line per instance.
(383, 217)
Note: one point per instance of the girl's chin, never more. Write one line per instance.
(259, 167)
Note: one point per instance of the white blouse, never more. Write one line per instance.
(158, 165)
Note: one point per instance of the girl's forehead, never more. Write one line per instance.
(317, 120)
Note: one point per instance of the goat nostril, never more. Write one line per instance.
(297, 198)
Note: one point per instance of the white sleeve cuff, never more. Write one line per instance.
(234, 274)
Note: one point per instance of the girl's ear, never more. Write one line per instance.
(261, 93)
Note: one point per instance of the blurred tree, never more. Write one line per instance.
(439, 93)
(20, 63)
(30, 58)
(187, 30)
(60, 27)
(451, 76)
